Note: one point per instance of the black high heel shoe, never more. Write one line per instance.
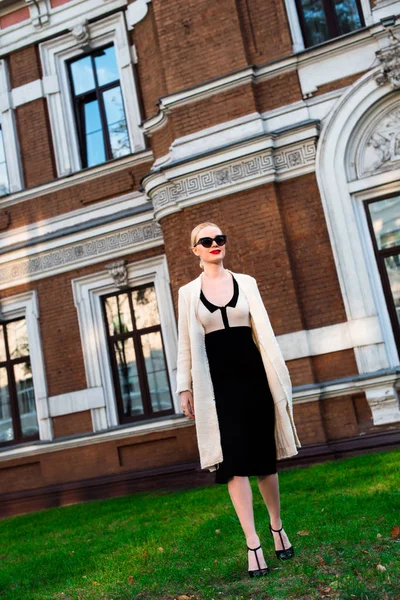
(257, 572)
(286, 553)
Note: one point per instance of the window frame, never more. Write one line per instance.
(380, 255)
(26, 306)
(148, 413)
(55, 54)
(296, 28)
(331, 21)
(79, 103)
(10, 138)
(8, 365)
(87, 292)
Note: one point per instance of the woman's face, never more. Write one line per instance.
(209, 255)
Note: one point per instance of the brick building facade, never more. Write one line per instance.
(124, 125)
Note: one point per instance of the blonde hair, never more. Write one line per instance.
(196, 230)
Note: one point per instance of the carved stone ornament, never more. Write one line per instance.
(119, 273)
(81, 33)
(39, 12)
(390, 71)
(379, 149)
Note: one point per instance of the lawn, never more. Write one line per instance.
(342, 518)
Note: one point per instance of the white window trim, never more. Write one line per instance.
(26, 305)
(54, 54)
(87, 293)
(295, 28)
(11, 146)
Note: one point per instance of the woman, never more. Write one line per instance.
(241, 396)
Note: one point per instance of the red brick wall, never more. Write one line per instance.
(251, 219)
(66, 425)
(265, 30)
(277, 91)
(35, 143)
(24, 66)
(199, 40)
(150, 67)
(107, 185)
(95, 460)
(311, 258)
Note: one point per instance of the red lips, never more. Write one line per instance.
(215, 251)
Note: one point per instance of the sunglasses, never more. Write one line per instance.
(207, 241)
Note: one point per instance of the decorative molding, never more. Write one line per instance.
(80, 441)
(264, 159)
(40, 12)
(349, 234)
(375, 145)
(136, 11)
(390, 70)
(119, 273)
(60, 19)
(55, 53)
(83, 176)
(73, 255)
(81, 32)
(88, 292)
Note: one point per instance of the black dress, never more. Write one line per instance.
(244, 403)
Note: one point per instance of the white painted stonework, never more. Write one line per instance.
(54, 54)
(27, 305)
(87, 296)
(347, 149)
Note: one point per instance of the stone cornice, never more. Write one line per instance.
(262, 159)
(78, 251)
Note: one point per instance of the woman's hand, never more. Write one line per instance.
(187, 403)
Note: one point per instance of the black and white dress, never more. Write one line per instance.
(244, 403)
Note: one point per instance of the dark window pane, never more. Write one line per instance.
(385, 216)
(26, 399)
(314, 21)
(6, 426)
(95, 152)
(118, 314)
(116, 122)
(82, 75)
(106, 66)
(128, 377)
(17, 339)
(392, 264)
(145, 307)
(156, 371)
(348, 17)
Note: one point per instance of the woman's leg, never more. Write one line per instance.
(242, 498)
(269, 488)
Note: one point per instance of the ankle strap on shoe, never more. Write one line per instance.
(253, 548)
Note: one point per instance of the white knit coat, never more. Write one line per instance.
(193, 371)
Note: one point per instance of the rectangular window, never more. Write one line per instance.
(98, 107)
(322, 20)
(18, 419)
(384, 222)
(137, 354)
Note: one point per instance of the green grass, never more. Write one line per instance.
(109, 549)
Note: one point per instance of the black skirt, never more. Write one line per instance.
(244, 404)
